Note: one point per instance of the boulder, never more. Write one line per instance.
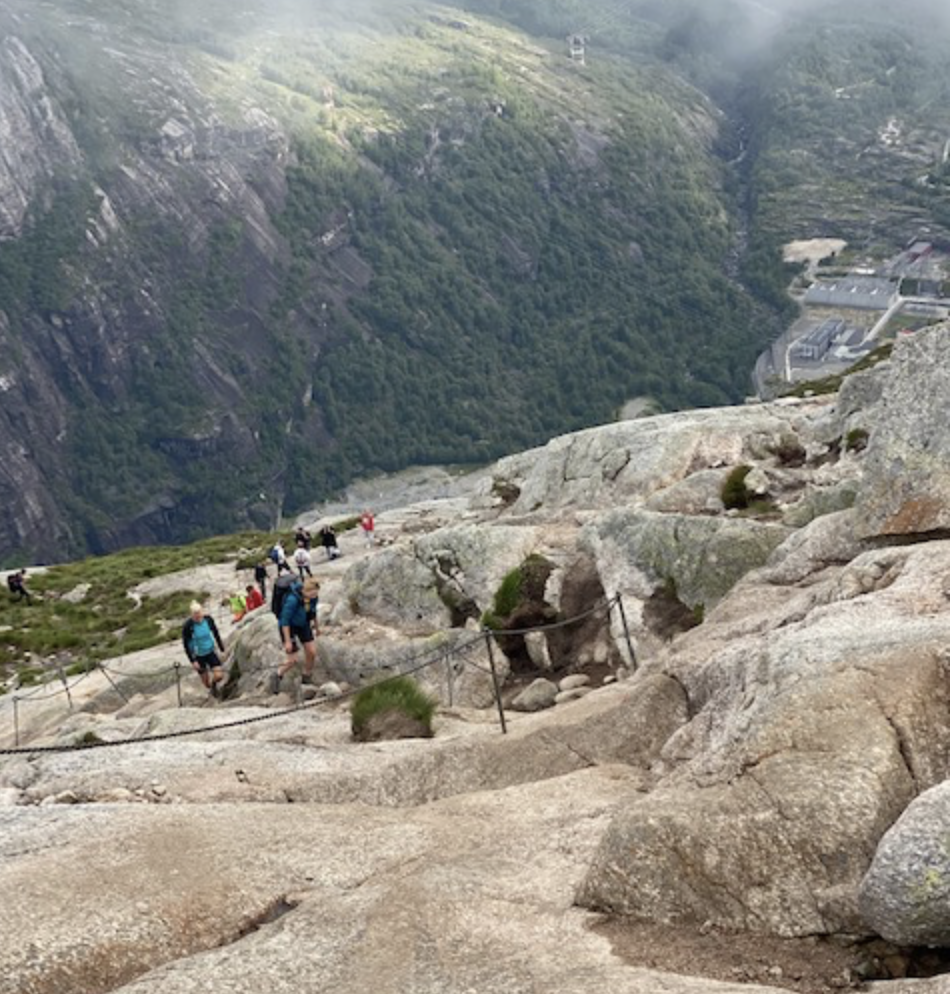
(574, 681)
(473, 559)
(536, 644)
(457, 673)
(538, 695)
(575, 694)
(905, 896)
(857, 405)
(819, 501)
(699, 493)
(906, 484)
(393, 587)
(639, 552)
(78, 594)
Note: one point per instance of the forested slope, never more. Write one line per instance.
(248, 254)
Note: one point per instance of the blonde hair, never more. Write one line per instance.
(195, 606)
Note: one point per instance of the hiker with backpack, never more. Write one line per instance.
(279, 558)
(16, 582)
(289, 603)
(302, 537)
(199, 635)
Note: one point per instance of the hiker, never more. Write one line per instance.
(294, 626)
(260, 578)
(311, 596)
(368, 524)
(199, 635)
(238, 604)
(302, 561)
(279, 558)
(254, 599)
(328, 538)
(303, 538)
(17, 584)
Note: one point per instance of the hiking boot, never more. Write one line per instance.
(274, 683)
(214, 690)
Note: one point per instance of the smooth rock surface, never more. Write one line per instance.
(905, 896)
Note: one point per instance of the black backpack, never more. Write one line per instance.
(282, 587)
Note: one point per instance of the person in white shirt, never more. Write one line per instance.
(302, 561)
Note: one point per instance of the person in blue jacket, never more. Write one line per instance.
(295, 626)
(199, 635)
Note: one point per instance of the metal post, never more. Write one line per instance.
(178, 680)
(16, 720)
(494, 680)
(69, 696)
(115, 686)
(449, 677)
(626, 634)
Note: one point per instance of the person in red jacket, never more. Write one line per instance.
(254, 599)
(368, 524)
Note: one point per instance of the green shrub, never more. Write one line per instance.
(735, 494)
(856, 440)
(346, 524)
(400, 696)
(508, 595)
(492, 621)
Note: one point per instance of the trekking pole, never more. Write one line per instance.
(178, 680)
(16, 720)
(494, 680)
(69, 696)
(626, 634)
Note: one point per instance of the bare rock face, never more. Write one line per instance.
(906, 488)
(34, 135)
(636, 459)
(469, 894)
(905, 896)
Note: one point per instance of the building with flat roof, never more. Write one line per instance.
(814, 346)
(867, 293)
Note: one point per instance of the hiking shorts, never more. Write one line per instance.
(301, 634)
(209, 662)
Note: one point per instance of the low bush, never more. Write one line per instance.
(396, 708)
(735, 494)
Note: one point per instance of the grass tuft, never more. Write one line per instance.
(400, 696)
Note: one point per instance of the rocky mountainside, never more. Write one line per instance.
(771, 760)
(233, 246)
